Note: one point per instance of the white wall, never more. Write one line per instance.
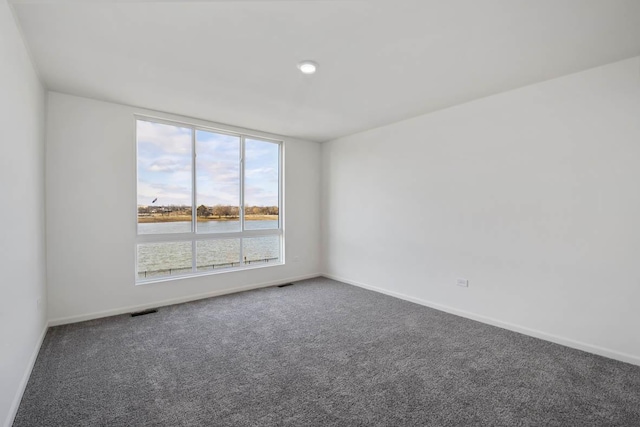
(91, 220)
(533, 195)
(22, 248)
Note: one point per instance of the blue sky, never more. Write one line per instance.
(164, 167)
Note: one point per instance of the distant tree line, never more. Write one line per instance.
(209, 211)
(261, 210)
(234, 211)
(176, 209)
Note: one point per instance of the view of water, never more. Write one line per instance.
(204, 226)
(171, 258)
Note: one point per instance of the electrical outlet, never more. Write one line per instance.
(38, 303)
(463, 282)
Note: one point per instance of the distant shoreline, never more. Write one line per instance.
(187, 218)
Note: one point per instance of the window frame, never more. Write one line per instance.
(194, 236)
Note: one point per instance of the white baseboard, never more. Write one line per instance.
(132, 308)
(590, 348)
(13, 409)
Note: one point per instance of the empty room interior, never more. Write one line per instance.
(320, 213)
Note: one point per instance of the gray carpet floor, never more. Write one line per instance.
(318, 353)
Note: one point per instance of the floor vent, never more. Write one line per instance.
(286, 284)
(143, 312)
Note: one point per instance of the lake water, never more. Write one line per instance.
(204, 226)
(174, 258)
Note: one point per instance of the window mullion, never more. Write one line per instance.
(242, 157)
(242, 179)
(194, 202)
(194, 212)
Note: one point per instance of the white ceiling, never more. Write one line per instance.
(380, 61)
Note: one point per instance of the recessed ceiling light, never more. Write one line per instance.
(307, 67)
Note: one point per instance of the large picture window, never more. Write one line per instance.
(208, 200)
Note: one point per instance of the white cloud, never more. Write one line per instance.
(169, 165)
(167, 194)
(261, 173)
(167, 138)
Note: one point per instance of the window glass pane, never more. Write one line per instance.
(164, 178)
(258, 250)
(217, 254)
(164, 259)
(261, 196)
(217, 182)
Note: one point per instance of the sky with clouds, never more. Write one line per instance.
(164, 167)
